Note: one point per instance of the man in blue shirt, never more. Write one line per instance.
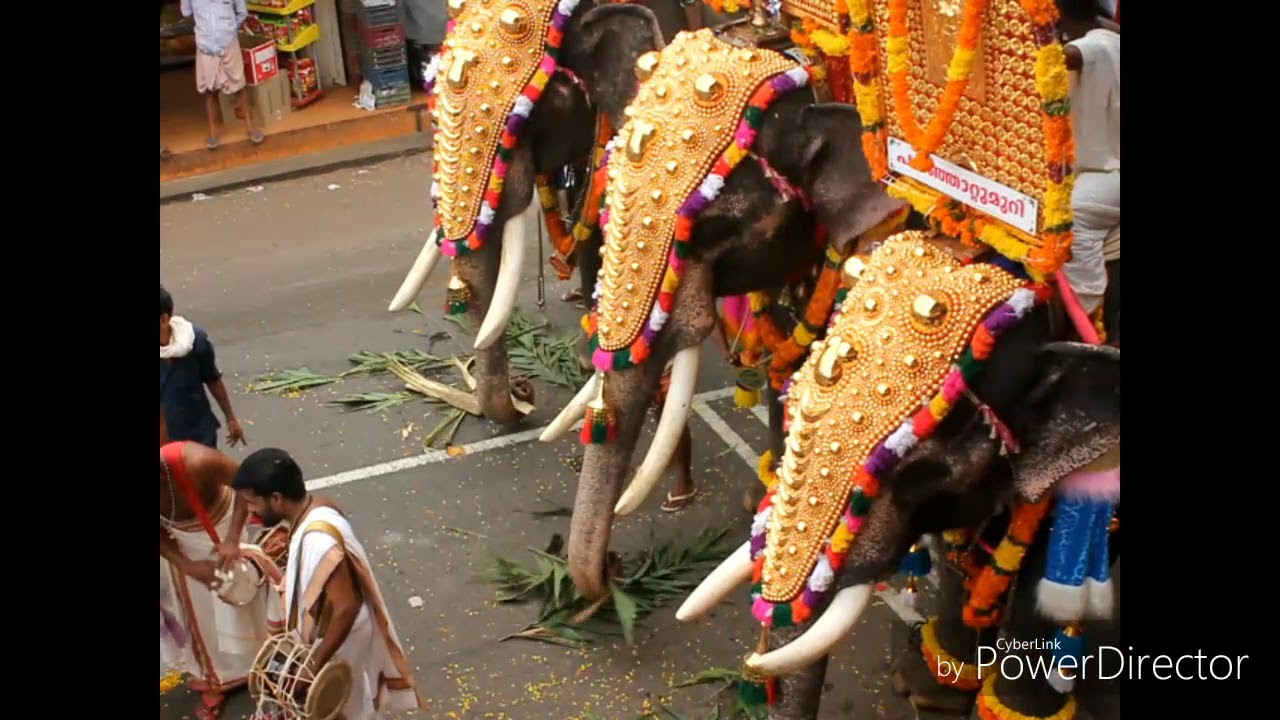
(187, 367)
(219, 65)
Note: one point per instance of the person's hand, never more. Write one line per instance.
(235, 433)
(228, 553)
(202, 571)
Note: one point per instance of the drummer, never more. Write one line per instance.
(346, 617)
(224, 639)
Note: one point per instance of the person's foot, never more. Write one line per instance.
(574, 297)
(210, 706)
(164, 153)
(256, 137)
(676, 503)
(211, 143)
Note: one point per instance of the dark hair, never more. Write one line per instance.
(1080, 10)
(166, 302)
(268, 471)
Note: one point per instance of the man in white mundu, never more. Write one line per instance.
(202, 525)
(331, 597)
(1093, 59)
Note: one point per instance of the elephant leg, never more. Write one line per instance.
(1016, 686)
(914, 677)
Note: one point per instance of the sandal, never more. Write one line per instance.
(256, 137)
(574, 297)
(211, 143)
(210, 706)
(675, 503)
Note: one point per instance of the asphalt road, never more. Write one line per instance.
(298, 274)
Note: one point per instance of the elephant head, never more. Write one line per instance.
(516, 97)
(901, 423)
(676, 237)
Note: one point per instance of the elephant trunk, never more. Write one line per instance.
(604, 467)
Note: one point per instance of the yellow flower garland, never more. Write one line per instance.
(990, 707)
(970, 676)
(765, 472)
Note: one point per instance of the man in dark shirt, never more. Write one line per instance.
(187, 366)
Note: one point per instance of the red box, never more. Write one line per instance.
(260, 62)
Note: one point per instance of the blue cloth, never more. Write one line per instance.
(217, 22)
(182, 393)
(1100, 543)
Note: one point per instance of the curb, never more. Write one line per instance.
(297, 165)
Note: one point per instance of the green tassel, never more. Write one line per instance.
(860, 504)
(600, 426)
(753, 694)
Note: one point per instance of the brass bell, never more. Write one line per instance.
(456, 7)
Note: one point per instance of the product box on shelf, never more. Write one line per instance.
(260, 61)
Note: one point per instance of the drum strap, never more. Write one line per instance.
(171, 456)
(327, 529)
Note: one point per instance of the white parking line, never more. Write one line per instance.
(481, 446)
(726, 433)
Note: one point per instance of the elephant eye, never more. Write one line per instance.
(514, 21)
(455, 7)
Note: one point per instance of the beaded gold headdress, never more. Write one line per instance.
(497, 57)
(694, 118)
(914, 328)
(993, 162)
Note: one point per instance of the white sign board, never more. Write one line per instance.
(982, 194)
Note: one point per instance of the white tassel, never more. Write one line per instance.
(1099, 599)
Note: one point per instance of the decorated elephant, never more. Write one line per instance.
(522, 91)
(939, 399)
(727, 178)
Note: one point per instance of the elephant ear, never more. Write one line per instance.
(847, 200)
(604, 51)
(1074, 415)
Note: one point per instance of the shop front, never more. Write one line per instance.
(321, 74)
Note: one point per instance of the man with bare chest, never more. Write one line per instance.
(202, 526)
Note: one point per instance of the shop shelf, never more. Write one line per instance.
(293, 7)
(304, 38)
(305, 101)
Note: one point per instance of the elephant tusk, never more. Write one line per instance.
(734, 571)
(576, 408)
(417, 277)
(508, 282)
(817, 641)
(675, 413)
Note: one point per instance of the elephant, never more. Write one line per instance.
(1032, 420)
(805, 171)
(593, 75)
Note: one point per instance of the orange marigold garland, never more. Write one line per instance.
(981, 610)
(927, 141)
(789, 350)
(863, 62)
